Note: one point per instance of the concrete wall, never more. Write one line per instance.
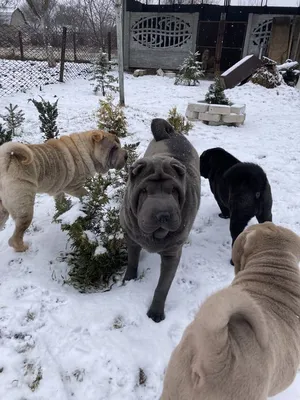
(160, 40)
(259, 32)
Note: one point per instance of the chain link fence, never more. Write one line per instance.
(26, 62)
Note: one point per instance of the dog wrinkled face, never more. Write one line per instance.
(257, 239)
(158, 195)
(108, 152)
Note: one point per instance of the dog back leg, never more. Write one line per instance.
(3, 215)
(20, 208)
(225, 214)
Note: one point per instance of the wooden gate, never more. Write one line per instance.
(232, 44)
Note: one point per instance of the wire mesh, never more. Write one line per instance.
(30, 58)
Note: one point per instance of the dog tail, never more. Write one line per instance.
(17, 150)
(219, 314)
(161, 129)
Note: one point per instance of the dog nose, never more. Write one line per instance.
(163, 217)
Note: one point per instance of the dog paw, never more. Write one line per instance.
(223, 216)
(129, 277)
(156, 316)
(18, 247)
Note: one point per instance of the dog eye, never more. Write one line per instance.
(144, 190)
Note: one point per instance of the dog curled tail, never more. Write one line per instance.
(161, 129)
(228, 311)
(19, 151)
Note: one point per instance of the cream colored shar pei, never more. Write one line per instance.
(244, 343)
(55, 167)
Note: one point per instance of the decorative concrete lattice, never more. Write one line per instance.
(161, 31)
(262, 33)
(215, 114)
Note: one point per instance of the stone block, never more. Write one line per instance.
(213, 123)
(160, 72)
(139, 72)
(234, 118)
(219, 109)
(238, 109)
(209, 117)
(192, 115)
(170, 74)
(198, 107)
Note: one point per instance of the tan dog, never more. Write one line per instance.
(55, 167)
(244, 343)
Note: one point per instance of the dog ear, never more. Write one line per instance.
(178, 167)
(97, 136)
(137, 167)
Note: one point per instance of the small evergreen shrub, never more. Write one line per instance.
(267, 75)
(5, 135)
(14, 118)
(216, 95)
(98, 251)
(190, 72)
(104, 81)
(179, 122)
(48, 114)
(111, 118)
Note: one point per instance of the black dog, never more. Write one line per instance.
(241, 190)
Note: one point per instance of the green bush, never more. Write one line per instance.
(216, 95)
(267, 75)
(111, 118)
(98, 251)
(14, 118)
(179, 122)
(190, 72)
(5, 135)
(48, 114)
(104, 81)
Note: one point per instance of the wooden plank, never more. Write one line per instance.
(219, 45)
(279, 41)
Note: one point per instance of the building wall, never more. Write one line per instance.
(259, 33)
(158, 40)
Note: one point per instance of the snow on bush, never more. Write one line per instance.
(99, 252)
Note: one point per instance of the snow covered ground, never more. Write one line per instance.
(58, 344)
(18, 76)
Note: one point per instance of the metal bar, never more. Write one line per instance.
(63, 54)
(118, 6)
(21, 45)
(74, 46)
(219, 46)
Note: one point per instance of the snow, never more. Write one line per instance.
(18, 76)
(288, 65)
(93, 346)
(70, 216)
(236, 65)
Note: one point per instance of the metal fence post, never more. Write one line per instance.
(63, 54)
(109, 45)
(75, 46)
(21, 45)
